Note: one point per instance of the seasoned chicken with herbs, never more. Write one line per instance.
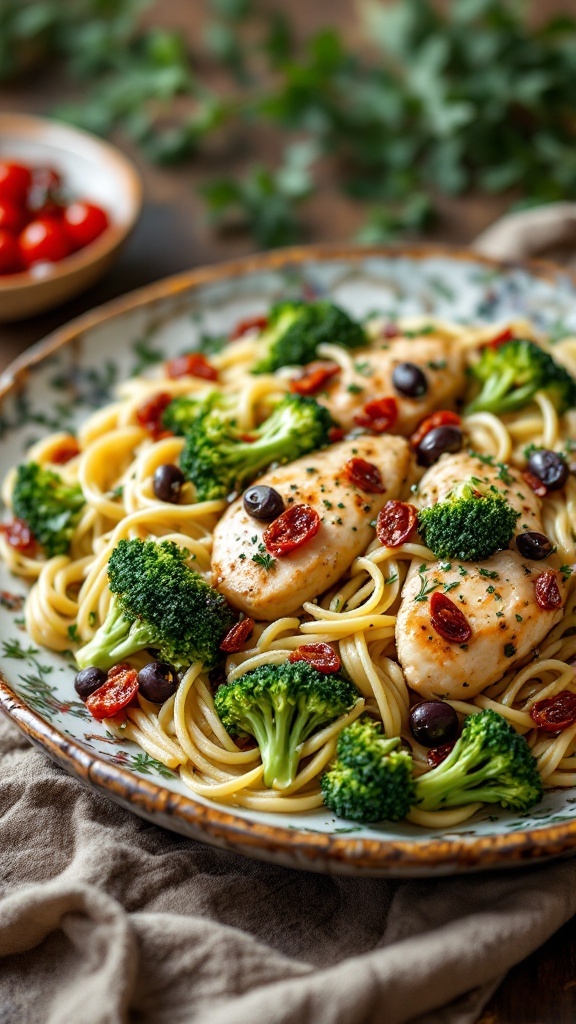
(464, 622)
(268, 568)
(395, 384)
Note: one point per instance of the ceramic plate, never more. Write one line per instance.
(60, 381)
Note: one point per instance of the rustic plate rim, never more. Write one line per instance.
(315, 851)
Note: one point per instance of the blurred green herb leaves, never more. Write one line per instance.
(436, 102)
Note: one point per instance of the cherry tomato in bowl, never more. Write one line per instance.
(44, 240)
(84, 223)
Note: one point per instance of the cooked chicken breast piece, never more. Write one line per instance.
(370, 377)
(345, 511)
(497, 597)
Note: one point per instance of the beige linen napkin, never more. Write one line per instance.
(105, 919)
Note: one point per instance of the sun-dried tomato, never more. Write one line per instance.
(249, 324)
(535, 483)
(448, 620)
(19, 536)
(313, 377)
(149, 414)
(192, 364)
(378, 415)
(66, 450)
(390, 331)
(364, 475)
(442, 418)
(439, 754)
(500, 339)
(396, 521)
(555, 713)
(321, 656)
(237, 636)
(295, 527)
(548, 593)
(335, 434)
(115, 694)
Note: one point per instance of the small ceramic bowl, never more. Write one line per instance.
(91, 170)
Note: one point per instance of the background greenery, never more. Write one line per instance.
(420, 104)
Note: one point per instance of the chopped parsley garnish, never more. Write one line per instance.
(265, 560)
(425, 587)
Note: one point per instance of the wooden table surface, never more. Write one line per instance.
(172, 235)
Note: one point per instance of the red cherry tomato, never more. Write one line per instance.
(295, 527)
(321, 656)
(439, 754)
(395, 523)
(149, 414)
(442, 418)
(555, 713)
(379, 415)
(44, 197)
(313, 377)
(15, 180)
(19, 536)
(12, 217)
(84, 222)
(448, 620)
(115, 694)
(249, 324)
(10, 258)
(42, 240)
(548, 593)
(237, 636)
(193, 364)
(66, 450)
(364, 475)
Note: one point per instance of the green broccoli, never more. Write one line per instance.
(157, 602)
(511, 374)
(49, 506)
(490, 764)
(218, 459)
(281, 705)
(371, 780)
(296, 329)
(470, 524)
(183, 410)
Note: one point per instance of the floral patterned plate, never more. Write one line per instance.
(57, 383)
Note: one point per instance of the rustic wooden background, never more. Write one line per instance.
(171, 236)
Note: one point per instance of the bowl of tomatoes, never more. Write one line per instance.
(68, 201)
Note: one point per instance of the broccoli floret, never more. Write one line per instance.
(371, 780)
(50, 507)
(511, 375)
(182, 411)
(281, 705)
(157, 602)
(490, 763)
(296, 329)
(218, 459)
(470, 524)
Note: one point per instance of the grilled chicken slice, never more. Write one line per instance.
(345, 511)
(497, 597)
(370, 377)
